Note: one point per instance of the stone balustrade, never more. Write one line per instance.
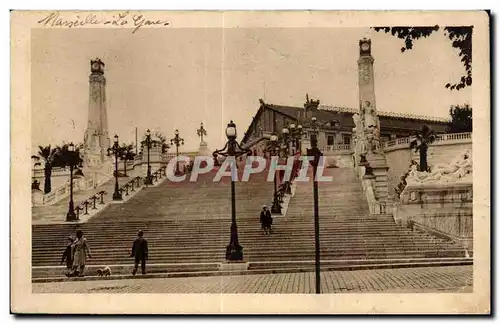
(38, 173)
(38, 198)
(440, 140)
(338, 148)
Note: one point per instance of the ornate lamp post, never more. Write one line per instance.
(316, 153)
(234, 251)
(148, 179)
(72, 161)
(117, 195)
(178, 141)
(201, 132)
(274, 146)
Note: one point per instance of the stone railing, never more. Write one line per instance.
(91, 203)
(60, 193)
(338, 148)
(440, 139)
(56, 172)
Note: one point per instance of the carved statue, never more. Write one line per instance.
(357, 123)
(370, 115)
(459, 168)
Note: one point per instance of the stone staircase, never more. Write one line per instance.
(187, 226)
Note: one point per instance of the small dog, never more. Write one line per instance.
(104, 272)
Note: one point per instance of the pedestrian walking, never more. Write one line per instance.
(139, 252)
(266, 220)
(68, 255)
(80, 252)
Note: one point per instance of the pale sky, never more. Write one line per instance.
(165, 79)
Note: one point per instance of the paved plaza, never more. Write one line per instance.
(403, 280)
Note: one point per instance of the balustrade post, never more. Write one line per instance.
(78, 208)
(94, 198)
(138, 178)
(86, 203)
(126, 189)
(102, 197)
(132, 184)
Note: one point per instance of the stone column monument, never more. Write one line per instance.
(368, 150)
(96, 138)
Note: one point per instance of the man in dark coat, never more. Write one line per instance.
(140, 252)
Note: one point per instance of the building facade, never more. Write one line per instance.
(335, 124)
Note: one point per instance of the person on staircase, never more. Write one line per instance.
(139, 252)
(266, 220)
(80, 252)
(68, 255)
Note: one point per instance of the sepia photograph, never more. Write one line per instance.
(294, 155)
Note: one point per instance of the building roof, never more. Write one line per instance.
(386, 114)
(323, 113)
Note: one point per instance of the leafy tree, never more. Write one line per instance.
(460, 37)
(48, 154)
(421, 143)
(163, 142)
(461, 119)
(65, 158)
(126, 154)
(59, 156)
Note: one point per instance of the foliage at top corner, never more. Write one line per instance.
(460, 37)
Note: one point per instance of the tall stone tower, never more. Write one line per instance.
(368, 118)
(96, 140)
(365, 74)
(368, 152)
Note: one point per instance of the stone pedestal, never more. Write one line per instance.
(204, 150)
(379, 168)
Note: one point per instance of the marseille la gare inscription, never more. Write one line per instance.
(124, 19)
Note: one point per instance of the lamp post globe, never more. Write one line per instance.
(231, 131)
(71, 215)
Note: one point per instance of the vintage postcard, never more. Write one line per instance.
(250, 162)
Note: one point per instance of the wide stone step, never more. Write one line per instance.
(194, 269)
(209, 252)
(174, 248)
(252, 257)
